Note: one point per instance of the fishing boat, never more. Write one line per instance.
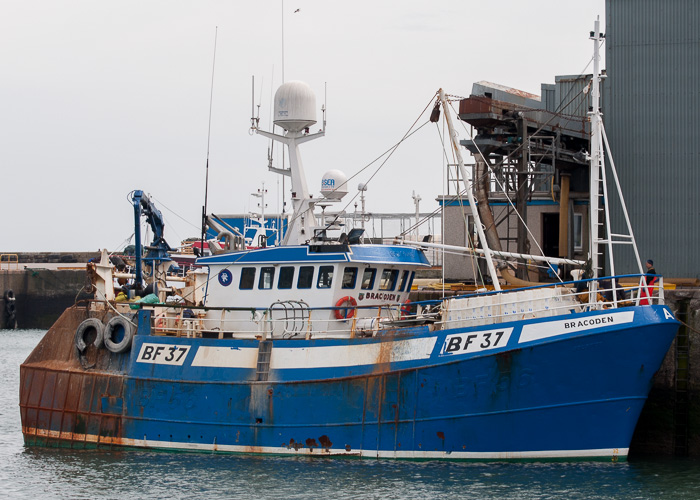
(312, 347)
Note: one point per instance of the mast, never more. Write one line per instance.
(597, 159)
(598, 177)
(294, 111)
(470, 195)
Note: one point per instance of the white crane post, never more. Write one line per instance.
(470, 195)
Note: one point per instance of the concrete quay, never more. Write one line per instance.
(43, 284)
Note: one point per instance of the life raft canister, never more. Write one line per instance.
(347, 311)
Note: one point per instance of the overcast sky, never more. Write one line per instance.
(100, 98)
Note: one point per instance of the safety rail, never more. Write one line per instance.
(573, 296)
(9, 259)
(282, 320)
(296, 320)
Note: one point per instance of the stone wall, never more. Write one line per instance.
(41, 295)
(670, 421)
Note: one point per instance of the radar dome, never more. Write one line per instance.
(334, 185)
(295, 106)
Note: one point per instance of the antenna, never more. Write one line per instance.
(325, 101)
(252, 102)
(206, 178)
(282, 41)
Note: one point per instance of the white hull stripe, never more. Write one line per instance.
(367, 354)
(539, 331)
(226, 357)
(316, 357)
(614, 453)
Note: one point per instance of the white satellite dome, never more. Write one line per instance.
(334, 185)
(295, 106)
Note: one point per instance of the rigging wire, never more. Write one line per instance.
(206, 178)
(491, 168)
(388, 153)
(410, 132)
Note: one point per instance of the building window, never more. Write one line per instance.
(388, 279)
(306, 277)
(286, 278)
(368, 278)
(578, 232)
(349, 277)
(247, 278)
(325, 276)
(267, 277)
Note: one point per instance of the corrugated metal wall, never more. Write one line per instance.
(652, 117)
(570, 97)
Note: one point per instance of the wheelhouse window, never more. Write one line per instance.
(267, 278)
(247, 278)
(306, 277)
(368, 276)
(388, 279)
(325, 276)
(286, 279)
(404, 279)
(410, 281)
(349, 277)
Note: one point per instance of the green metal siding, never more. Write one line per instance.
(652, 117)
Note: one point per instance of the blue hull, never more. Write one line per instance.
(540, 395)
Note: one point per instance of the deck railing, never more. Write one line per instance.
(296, 320)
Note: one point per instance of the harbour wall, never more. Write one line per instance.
(670, 422)
(43, 285)
(41, 295)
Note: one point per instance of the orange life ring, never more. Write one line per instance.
(348, 311)
(406, 309)
(160, 323)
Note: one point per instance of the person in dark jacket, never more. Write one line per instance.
(651, 272)
(645, 293)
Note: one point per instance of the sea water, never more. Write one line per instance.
(43, 473)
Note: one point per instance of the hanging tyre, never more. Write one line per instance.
(90, 331)
(118, 335)
(10, 306)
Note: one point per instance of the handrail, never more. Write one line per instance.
(298, 320)
(7, 258)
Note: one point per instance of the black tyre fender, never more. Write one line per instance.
(111, 327)
(10, 306)
(86, 326)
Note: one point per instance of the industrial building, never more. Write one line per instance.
(535, 147)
